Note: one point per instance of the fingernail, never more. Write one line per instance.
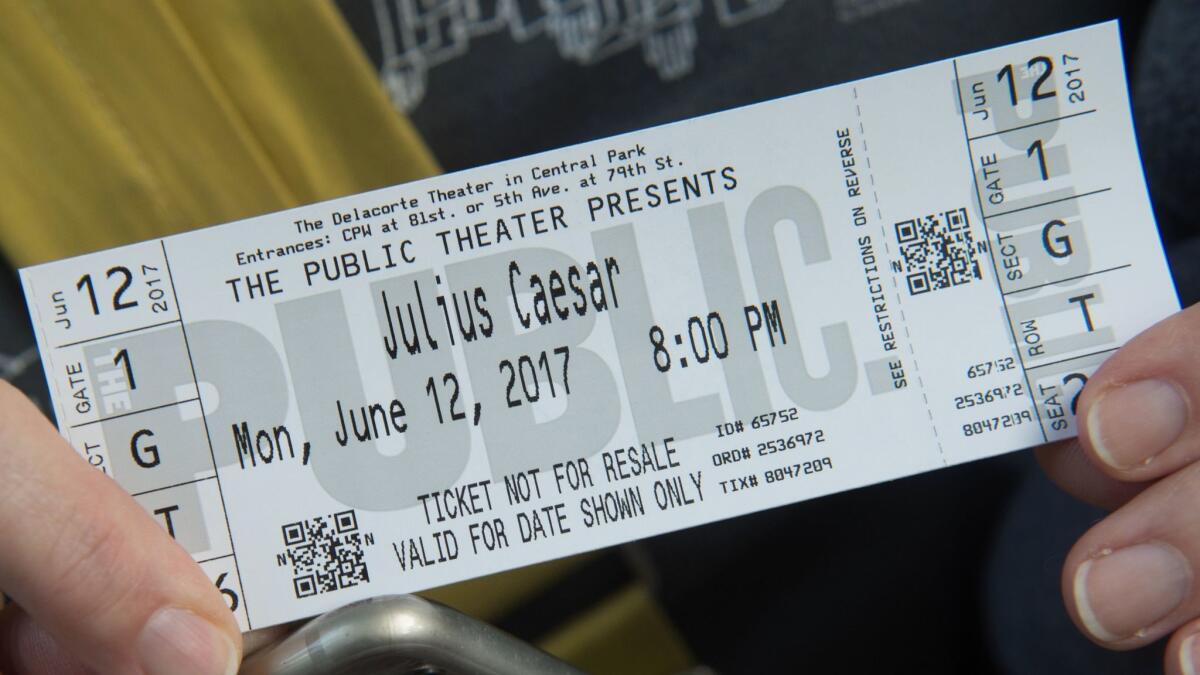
(178, 641)
(1131, 424)
(1187, 656)
(1121, 593)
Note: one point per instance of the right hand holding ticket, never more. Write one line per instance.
(1132, 578)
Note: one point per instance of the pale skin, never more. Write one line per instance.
(100, 587)
(94, 572)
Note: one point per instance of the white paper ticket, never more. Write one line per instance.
(413, 386)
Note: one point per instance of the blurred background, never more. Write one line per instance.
(128, 120)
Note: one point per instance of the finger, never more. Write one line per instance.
(1131, 579)
(1139, 409)
(27, 649)
(1182, 656)
(1069, 467)
(93, 568)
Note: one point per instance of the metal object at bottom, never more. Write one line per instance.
(402, 634)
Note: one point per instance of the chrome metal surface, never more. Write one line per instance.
(402, 634)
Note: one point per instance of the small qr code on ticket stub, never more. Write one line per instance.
(430, 382)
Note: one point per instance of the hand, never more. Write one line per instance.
(99, 586)
(1133, 577)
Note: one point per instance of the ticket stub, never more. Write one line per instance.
(412, 386)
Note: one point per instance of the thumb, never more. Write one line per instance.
(90, 566)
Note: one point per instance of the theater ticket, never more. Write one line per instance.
(425, 383)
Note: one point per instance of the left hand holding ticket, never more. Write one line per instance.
(98, 584)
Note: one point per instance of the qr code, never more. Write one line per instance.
(938, 251)
(325, 553)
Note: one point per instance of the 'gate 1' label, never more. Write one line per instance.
(429, 382)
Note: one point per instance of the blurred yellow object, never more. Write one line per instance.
(129, 120)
